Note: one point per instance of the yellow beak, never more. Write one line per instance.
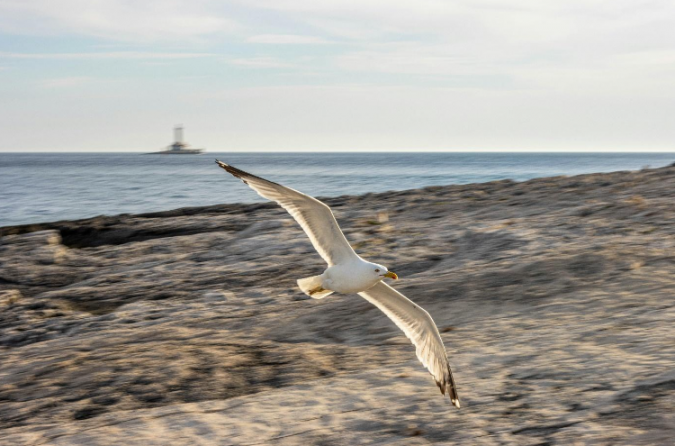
(391, 275)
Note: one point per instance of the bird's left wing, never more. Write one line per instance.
(315, 217)
(418, 326)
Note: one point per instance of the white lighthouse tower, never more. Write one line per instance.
(178, 138)
(179, 147)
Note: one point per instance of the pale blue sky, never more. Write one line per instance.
(294, 75)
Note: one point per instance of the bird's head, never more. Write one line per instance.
(382, 272)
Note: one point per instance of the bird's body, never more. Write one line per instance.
(350, 278)
(348, 273)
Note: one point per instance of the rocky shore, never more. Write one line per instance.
(555, 298)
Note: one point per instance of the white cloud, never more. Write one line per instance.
(287, 39)
(260, 62)
(664, 57)
(411, 59)
(122, 20)
(64, 82)
(105, 55)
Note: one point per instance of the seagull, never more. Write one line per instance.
(348, 273)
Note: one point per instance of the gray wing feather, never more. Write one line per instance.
(418, 326)
(314, 217)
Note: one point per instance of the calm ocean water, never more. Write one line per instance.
(50, 186)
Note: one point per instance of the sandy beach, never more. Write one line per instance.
(554, 297)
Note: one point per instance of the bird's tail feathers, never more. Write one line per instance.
(311, 286)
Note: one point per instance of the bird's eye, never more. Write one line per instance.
(377, 270)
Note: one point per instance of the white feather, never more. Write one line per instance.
(313, 216)
(418, 326)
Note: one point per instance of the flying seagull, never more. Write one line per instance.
(348, 273)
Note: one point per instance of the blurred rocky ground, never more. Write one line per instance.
(555, 299)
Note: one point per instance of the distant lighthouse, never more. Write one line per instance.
(178, 139)
(179, 147)
(178, 135)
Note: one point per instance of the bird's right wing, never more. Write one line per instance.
(313, 216)
(420, 329)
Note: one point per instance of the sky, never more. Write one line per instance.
(338, 75)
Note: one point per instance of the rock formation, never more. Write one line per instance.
(554, 297)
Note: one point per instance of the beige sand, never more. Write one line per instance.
(555, 298)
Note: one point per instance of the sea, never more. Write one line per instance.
(43, 187)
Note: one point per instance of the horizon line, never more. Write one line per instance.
(333, 152)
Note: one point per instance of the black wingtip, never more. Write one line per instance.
(455, 401)
(452, 390)
(233, 170)
(225, 166)
(241, 174)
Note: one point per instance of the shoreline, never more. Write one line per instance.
(246, 207)
(35, 193)
(187, 325)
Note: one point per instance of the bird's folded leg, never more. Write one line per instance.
(316, 290)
